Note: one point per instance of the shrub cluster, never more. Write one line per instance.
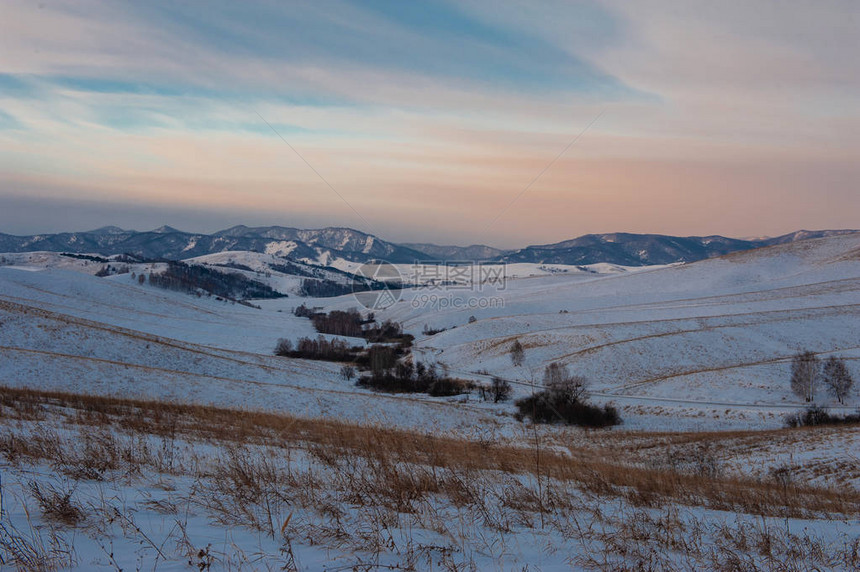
(303, 311)
(564, 400)
(402, 377)
(428, 331)
(817, 415)
(339, 322)
(387, 332)
(547, 407)
(498, 390)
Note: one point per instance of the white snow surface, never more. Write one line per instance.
(702, 345)
(696, 346)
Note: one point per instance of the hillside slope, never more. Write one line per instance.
(716, 335)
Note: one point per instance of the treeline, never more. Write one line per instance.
(194, 278)
(89, 257)
(318, 349)
(288, 267)
(127, 258)
(237, 266)
(351, 323)
(324, 288)
(337, 322)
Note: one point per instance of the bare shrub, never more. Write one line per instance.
(815, 415)
(518, 354)
(57, 504)
(284, 347)
(347, 372)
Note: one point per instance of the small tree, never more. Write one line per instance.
(518, 354)
(837, 378)
(804, 374)
(500, 389)
(347, 372)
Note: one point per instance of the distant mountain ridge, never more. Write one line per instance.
(628, 249)
(472, 252)
(320, 245)
(323, 246)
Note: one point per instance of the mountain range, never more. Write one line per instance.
(323, 246)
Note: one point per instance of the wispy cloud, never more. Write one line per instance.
(439, 109)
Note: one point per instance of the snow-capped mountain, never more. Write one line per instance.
(645, 249)
(327, 245)
(322, 245)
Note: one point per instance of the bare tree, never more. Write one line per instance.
(559, 382)
(837, 378)
(347, 372)
(500, 389)
(518, 354)
(804, 374)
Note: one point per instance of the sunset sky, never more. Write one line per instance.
(739, 118)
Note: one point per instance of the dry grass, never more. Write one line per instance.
(587, 466)
(362, 491)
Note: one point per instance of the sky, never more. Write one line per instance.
(475, 121)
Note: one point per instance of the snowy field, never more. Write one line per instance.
(704, 346)
(690, 348)
(103, 486)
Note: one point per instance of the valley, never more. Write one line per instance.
(219, 453)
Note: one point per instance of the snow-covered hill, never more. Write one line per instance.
(709, 339)
(704, 345)
(70, 331)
